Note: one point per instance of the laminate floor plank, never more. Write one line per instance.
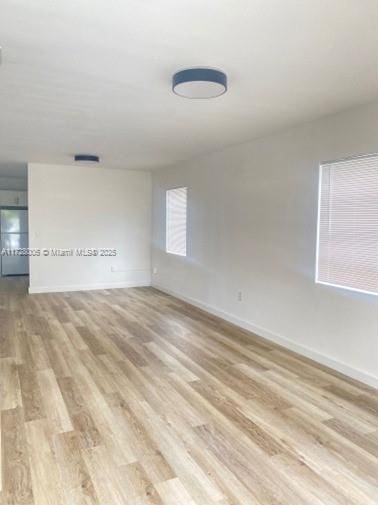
(132, 397)
(16, 476)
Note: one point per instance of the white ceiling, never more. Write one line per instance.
(94, 75)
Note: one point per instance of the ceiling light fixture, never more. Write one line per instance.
(87, 158)
(199, 83)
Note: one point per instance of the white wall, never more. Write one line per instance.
(89, 207)
(13, 183)
(252, 227)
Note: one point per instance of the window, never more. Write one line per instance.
(176, 200)
(347, 246)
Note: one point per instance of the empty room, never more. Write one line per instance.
(189, 252)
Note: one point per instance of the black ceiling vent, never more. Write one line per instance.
(87, 158)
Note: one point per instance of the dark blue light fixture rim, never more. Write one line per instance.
(200, 74)
(87, 157)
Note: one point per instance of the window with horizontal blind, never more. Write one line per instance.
(347, 242)
(176, 201)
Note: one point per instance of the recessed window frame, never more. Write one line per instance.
(320, 175)
(168, 249)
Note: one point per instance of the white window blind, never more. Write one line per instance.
(347, 249)
(176, 201)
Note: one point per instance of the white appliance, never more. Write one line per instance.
(14, 235)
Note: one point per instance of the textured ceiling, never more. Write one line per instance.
(94, 76)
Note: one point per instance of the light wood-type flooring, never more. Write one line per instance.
(133, 397)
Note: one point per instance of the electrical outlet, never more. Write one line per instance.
(240, 296)
(154, 270)
(113, 269)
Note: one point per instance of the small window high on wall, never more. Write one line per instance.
(347, 245)
(176, 202)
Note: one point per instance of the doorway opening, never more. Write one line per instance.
(14, 234)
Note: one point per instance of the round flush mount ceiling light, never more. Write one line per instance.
(87, 158)
(199, 83)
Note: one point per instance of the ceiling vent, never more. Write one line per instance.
(87, 158)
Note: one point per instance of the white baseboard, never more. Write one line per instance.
(339, 366)
(87, 287)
